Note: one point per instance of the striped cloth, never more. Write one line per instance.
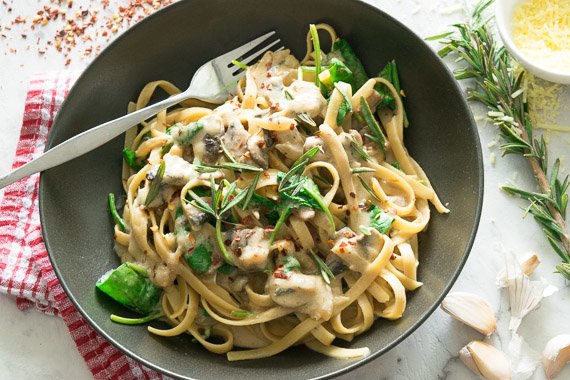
(26, 272)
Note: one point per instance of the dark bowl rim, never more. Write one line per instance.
(472, 127)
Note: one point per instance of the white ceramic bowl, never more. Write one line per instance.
(504, 10)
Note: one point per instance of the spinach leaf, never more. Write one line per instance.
(390, 73)
(290, 263)
(129, 285)
(380, 220)
(226, 268)
(265, 206)
(184, 134)
(200, 260)
(348, 56)
(298, 191)
(130, 157)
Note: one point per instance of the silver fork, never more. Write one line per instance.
(210, 83)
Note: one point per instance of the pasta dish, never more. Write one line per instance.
(288, 215)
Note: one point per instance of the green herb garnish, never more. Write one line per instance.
(369, 189)
(154, 188)
(300, 191)
(116, 217)
(133, 289)
(240, 314)
(298, 166)
(239, 64)
(290, 263)
(390, 73)
(373, 125)
(324, 269)
(200, 260)
(345, 107)
(226, 268)
(348, 56)
(135, 321)
(359, 150)
(130, 157)
(362, 169)
(380, 220)
(221, 204)
(317, 50)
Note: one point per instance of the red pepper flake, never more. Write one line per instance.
(280, 275)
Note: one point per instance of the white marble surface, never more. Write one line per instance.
(33, 345)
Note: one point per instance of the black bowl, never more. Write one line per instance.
(170, 45)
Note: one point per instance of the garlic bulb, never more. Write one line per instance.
(556, 354)
(486, 360)
(472, 310)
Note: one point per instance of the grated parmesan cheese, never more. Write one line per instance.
(541, 29)
(543, 99)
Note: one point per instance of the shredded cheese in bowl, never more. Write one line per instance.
(541, 30)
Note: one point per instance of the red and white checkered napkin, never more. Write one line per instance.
(26, 272)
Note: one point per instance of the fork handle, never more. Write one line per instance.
(88, 140)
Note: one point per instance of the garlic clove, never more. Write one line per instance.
(467, 359)
(529, 263)
(524, 294)
(556, 354)
(486, 360)
(472, 310)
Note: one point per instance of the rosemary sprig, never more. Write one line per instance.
(324, 269)
(368, 189)
(224, 198)
(235, 166)
(378, 137)
(362, 169)
(298, 167)
(499, 88)
(359, 150)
